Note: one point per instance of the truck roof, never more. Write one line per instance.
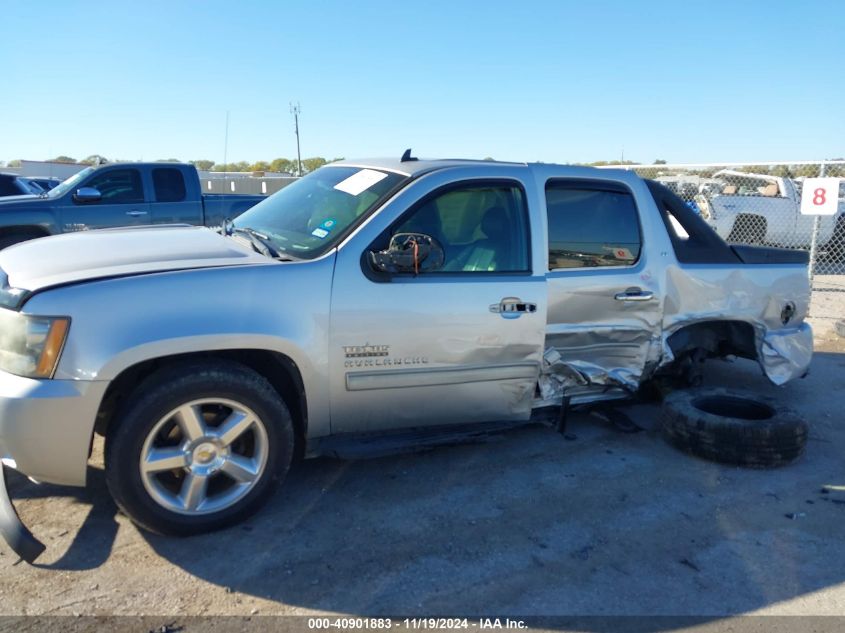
(141, 164)
(417, 166)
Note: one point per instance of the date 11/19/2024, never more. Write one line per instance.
(415, 623)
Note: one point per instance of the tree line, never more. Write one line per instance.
(283, 165)
(288, 165)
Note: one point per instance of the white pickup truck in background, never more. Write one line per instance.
(764, 209)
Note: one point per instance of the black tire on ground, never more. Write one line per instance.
(16, 238)
(162, 393)
(748, 229)
(733, 428)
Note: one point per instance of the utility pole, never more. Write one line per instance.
(225, 153)
(294, 110)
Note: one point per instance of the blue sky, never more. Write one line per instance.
(550, 80)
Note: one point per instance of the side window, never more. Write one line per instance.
(481, 228)
(169, 184)
(119, 186)
(8, 186)
(591, 227)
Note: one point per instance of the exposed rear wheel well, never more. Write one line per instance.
(716, 339)
(278, 369)
(691, 346)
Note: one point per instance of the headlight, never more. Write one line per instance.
(31, 345)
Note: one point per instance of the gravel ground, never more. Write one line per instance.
(528, 523)
(828, 307)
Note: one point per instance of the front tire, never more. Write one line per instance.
(198, 447)
(10, 239)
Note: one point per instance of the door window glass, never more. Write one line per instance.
(481, 228)
(169, 184)
(591, 227)
(8, 186)
(119, 186)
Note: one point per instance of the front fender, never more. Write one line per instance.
(39, 218)
(312, 376)
(118, 323)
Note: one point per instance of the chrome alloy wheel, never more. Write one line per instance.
(204, 456)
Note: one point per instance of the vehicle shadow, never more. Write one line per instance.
(533, 523)
(93, 541)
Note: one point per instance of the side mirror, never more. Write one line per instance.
(87, 194)
(409, 253)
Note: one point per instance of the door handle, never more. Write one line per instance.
(136, 212)
(634, 294)
(512, 308)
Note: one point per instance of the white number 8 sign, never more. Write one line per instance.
(820, 196)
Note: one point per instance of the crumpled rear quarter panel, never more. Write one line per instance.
(754, 294)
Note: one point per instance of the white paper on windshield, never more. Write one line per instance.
(360, 181)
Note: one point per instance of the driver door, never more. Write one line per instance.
(122, 202)
(461, 344)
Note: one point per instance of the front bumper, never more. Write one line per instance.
(46, 426)
(21, 540)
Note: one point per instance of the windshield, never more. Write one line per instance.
(70, 183)
(310, 216)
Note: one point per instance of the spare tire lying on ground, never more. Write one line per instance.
(733, 428)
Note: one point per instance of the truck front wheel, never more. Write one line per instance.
(10, 239)
(198, 447)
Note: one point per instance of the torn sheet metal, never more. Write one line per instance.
(786, 354)
(782, 354)
(625, 348)
(556, 376)
(602, 366)
(756, 295)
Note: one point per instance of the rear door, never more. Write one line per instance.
(459, 345)
(174, 201)
(604, 301)
(122, 202)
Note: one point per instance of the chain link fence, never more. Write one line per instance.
(760, 204)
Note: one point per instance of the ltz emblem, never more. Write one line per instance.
(366, 351)
(359, 356)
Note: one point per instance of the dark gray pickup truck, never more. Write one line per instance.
(119, 194)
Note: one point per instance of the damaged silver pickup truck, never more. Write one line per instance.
(392, 299)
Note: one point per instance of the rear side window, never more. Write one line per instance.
(169, 184)
(8, 186)
(591, 227)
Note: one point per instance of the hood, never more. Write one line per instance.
(85, 255)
